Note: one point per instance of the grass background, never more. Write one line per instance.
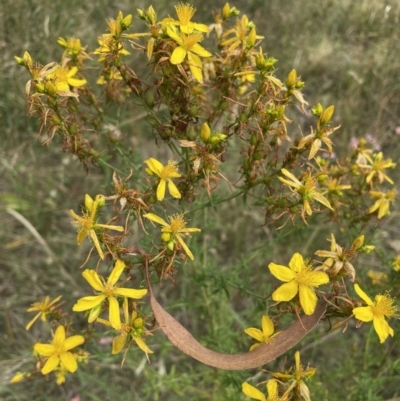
(348, 54)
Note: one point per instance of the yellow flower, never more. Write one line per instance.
(44, 307)
(188, 46)
(378, 278)
(378, 167)
(133, 327)
(396, 264)
(165, 173)
(73, 49)
(58, 351)
(306, 190)
(108, 290)
(376, 312)
(300, 279)
(272, 390)
(264, 336)
(87, 223)
(383, 202)
(64, 78)
(300, 373)
(185, 13)
(173, 230)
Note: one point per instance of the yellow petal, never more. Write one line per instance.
(286, 292)
(44, 349)
(316, 278)
(255, 333)
(194, 66)
(296, 262)
(142, 345)
(173, 190)
(69, 361)
(51, 364)
(154, 166)
(156, 219)
(308, 299)
(252, 392)
(114, 317)
(178, 55)
(89, 302)
(130, 293)
(118, 344)
(363, 295)
(200, 50)
(321, 199)
(282, 273)
(93, 279)
(363, 313)
(272, 389)
(382, 327)
(76, 82)
(267, 326)
(59, 335)
(73, 341)
(116, 272)
(184, 246)
(161, 189)
(96, 242)
(291, 176)
(29, 325)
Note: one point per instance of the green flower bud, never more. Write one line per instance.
(317, 110)
(217, 138)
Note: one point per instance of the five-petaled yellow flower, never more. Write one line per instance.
(44, 307)
(133, 328)
(255, 393)
(87, 223)
(300, 279)
(188, 46)
(376, 311)
(64, 77)
(108, 290)
(165, 173)
(383, 202)
(58, 351)
(306, 190)
(264, 336)
(173, 230)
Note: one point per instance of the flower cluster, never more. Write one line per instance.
(213, 105)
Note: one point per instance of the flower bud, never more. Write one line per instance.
(317, 110)
(165, 237)
(357, 243)
(326, 115)
(205, 133)
(138, 322)
(217, 138)
(291, 79)
(251, 39)
(151, 15)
